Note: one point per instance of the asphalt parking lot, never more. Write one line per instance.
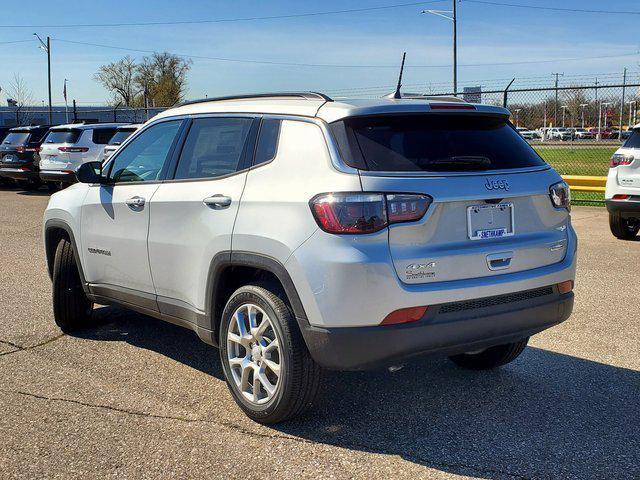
(138, 398)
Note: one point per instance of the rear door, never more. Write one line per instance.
(491, 212)
(192, 215)
(115, 216)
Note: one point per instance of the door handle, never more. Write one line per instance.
(135, 202)
(217, 201)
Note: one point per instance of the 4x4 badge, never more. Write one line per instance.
(496, 185)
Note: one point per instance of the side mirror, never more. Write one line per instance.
(90, 172)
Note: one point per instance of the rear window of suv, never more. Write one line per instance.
(634, 140)
(69, 135)
(16, 138)
(434, 143)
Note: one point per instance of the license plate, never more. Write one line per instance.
(490, 221)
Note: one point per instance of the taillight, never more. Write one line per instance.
(451, 106)
(620, 159)
(560, 195)
(73, 149)
(356, 213)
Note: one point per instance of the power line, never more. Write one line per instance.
(329, 65)
(228, 20)
(555, 9)
(17, 41)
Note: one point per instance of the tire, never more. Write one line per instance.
(623, 228)
(71, 307)
(491, 357)
(296, 386)
(53, 187)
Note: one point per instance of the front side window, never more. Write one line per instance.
(213, 148)
(143, 158)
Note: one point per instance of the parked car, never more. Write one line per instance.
(19, 155)
(66, 147)
(556, 133)
(567, 134)
(122, 133)
(583, 134)
(299, 233)
(622, 195)
(528, 134)
(604, 132)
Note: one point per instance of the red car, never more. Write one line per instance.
(604, 132)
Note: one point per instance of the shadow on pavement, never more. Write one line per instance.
(545, 415)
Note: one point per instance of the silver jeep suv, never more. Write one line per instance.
(299, 233)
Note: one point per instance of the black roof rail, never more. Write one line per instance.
(302, 95)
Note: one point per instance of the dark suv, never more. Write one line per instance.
(19, 156)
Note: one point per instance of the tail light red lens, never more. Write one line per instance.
(73, 149)
(621, 197)
(404, 315)
(350, 212)
(358, 213)
(618, 159)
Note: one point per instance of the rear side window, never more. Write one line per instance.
(101, 136)
(120, 136)
(16, 138)
(436, 143)
(213, 147)
(69, 135)
(634, 140)
(267, 141)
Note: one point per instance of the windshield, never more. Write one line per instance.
(16, 138)
(69, 135)
(120, 136)
(439, 143)
(633, 141)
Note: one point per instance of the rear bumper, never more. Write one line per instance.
(18, 173)
(445, 329)
(65, 176)
(623, 206)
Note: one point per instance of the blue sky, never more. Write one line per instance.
(487, 34)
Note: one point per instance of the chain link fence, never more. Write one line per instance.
(576, 129)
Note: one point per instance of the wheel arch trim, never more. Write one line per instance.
(51, 225)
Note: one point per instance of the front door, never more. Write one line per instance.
(115, 216)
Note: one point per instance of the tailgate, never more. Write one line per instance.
(474, 228)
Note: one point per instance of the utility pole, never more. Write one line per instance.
(451, 15)
(555, 103)
(47, 48)
(624, 84)
(632, 102)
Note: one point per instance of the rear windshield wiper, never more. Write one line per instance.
(459, 163)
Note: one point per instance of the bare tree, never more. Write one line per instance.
(163, 78)
(19, 95)
(119, 78)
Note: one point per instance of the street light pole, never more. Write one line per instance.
(630, 110)
(47, 48)
(564, 109)
(582, 105)
(451, 15)
(517, 111)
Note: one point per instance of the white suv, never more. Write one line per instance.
(66, 147)
(622, 195)
(299, 233)
(122, 133)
